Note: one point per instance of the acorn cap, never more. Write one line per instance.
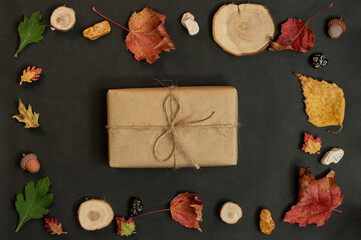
(26, 158)
(339, 22)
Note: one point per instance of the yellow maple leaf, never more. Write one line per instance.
(325, 102)
(27, 116)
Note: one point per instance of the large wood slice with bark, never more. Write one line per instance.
(244, 29)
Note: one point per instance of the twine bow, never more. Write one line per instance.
(171, 130)
(172, 109)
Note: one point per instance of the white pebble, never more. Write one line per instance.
(332, 156)
(189, 23)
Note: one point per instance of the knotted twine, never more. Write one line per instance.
(173, 123)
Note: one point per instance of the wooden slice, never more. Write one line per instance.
(230, 213)
(244, 29)
(95, 214)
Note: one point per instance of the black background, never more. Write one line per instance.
(71, 142)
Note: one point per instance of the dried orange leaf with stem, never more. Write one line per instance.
(325, 102)
(147, 37)
(30, 74)
(311, 144)
(27, 116)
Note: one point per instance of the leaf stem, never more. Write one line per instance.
(162, 210)
(109, 19)
(324, 10)
(337, 210)
(20, 224)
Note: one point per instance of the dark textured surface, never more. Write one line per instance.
(71, 142)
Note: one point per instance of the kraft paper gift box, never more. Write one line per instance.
(172, 127)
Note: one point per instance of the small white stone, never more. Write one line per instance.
(189, 23)
(332, 156)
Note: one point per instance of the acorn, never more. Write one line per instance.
(336, 27)
(30, 163)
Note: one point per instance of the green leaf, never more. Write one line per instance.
(30, 31)
(127, 228)
(35, 202)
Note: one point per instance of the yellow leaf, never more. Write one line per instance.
(311, 144)
(27, 76)
(30, 74)
(325, 102)
(27, 116)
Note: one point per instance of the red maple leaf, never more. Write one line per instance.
(147, 36)
(295, 35)
(186, 209)
(316, 200)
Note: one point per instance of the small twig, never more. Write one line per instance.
(109, 19)
(324, 10)
(162, 210)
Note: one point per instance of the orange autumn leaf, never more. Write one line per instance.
(325, 102)
(30, 74)
(316, 200)
(53, 226)
(186, 209)
(311, 144)
(147, 36)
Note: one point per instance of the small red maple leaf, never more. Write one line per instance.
(311, 144)
(186, 209)
(125, 227)
(316, 200)
(295, 35)
(53, 226)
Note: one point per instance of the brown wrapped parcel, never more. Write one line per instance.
(173, 127)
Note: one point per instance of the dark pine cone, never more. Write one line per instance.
(136, 207)
(319, 60)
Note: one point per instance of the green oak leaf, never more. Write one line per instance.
(127, 228)
(35, 202)
(30, 31)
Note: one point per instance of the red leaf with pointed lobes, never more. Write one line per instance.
(148, 37)
(316, 200)
(187, 210)
(296, 36)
